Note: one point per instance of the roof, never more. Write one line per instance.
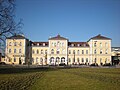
(78, 44)
(44, 44)
(58, 37)
(100, 37)
(17, 37)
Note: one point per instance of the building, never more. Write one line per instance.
(17, 50)
(115, 55)
(58, 50)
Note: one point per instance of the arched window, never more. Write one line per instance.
(33, 51)
(58, 51)
(9, 50)
(52, 51)
(95, 51)
(10, 44)
(15, 50)
(19, 50)
(15, 43)
(37, 51)
(41, 51)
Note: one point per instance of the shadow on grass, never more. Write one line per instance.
(20, 70)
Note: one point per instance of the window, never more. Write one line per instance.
(36, 60)
(45, 51)
(14, 59)
(10, 44)
(58, 51)
(101, 51)
(95, 44)
(19, 50)
(106, 44)
(15, 43)
(38, 44)
(86, 59)
(100, 44)
(95, 60)
(52, 51)
(82, 59)
(15, 50)
(37, 51)
(78, 52)
(69, 60)
(82, 51)
(95, 51)
(73, 60)
(62, 44)
(86, 51)
(100, 60)
(78, 45)
(41, 51)
(73, 51)
(52, 44)
(72, 45)
(106, 60)
(32, 60)
(69, 51)
(9, 50)
(106, 52)
(20, 44)
(33, 51)
(43, 44)
(78, 60)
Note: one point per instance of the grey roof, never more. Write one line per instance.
(100, 37)
(58, 37)
(17, 37)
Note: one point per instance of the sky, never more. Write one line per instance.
(77, 20)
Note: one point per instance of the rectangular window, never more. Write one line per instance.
(86, 51)
(15, 43)
(86, 59)
(19, 50)
(9, 50)
(69, 52)
(73, 51)
(15, 50)
(14, 59)
(82, 51)
(101, 51)
(82, 59)
(69, 60)
(95, 51)
(78, 52)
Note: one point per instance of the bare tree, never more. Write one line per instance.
(8, 26)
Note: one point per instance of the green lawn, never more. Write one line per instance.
(61, 79)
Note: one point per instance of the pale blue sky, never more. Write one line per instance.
(77, 20)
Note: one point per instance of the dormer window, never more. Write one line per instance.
(84, 45)
(78, 45)
(72, 45)
(37, 44)
(43, 44)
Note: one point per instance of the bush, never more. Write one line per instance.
(107, 64)
(94, 64)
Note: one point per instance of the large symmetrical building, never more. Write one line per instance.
(58, 50)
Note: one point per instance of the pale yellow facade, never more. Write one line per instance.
(58, 50)
(16, 51)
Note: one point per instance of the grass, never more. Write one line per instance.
(61, 79)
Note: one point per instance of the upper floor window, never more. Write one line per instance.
(15, 43)
(95, 51)
(100, 44)
(100, 51)
(43, 44)
(58, 51)
(78, 52)
(52, 51)
(73, 51)
(78, 45)
(45, 51)
(69, 51)
(86, 51)
(15, 50)
(33, 51)
(19, 50)
(106, 44)
(41, 51)
(37, 51)
(20, 43)
(9, 50)
(38, 44)
(10, 44)
(69, 60)
(106, 51)
(72, 45)
(62, 44)
(95, 44)
(82, 51)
